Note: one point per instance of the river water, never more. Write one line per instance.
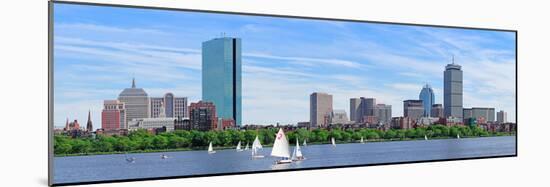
(147, 165)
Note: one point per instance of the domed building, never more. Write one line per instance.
(136, 102)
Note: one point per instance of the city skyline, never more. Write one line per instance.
(97, 55)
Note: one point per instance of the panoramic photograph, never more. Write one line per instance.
(148, 93)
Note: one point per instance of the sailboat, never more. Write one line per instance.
(297, 154)
(362, 141)
(129, 159)
(333, 142)
(163, 156)
(304, 144)
(239, 147)
(246, 147)
(425, 137)
(256, 146)
(210, 149)
(281, 148)
(457, 136)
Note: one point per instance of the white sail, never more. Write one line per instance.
(246, 147)
(210, 149)
(425, 137)
(280, 146)
(256, 144)
(362, 141)
(298, 150)
(304, 144)
(293, 154)
(297, 154)
(239, 146)
(458, 136)
(333, 142)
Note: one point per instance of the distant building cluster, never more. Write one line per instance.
(220, 107)
(365, 112)
(74, 129)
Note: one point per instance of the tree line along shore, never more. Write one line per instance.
(141, 141)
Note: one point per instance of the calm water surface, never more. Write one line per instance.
(147, 165)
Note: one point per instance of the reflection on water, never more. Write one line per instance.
(280, 166)
(148, 165)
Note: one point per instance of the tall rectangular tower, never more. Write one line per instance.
(367, 107)
(414, 109)
(221, 76)
(354, 109)
(452, 91)
(501, 117)
(320, 108)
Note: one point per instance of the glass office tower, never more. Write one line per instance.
(427, 97)
(221, 76)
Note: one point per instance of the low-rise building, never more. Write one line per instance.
(152, 123)
(339, 117)
(402, 123)
(202, 116)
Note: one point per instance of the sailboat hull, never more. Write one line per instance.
(211, 152)
(287, 161)
(258, 156)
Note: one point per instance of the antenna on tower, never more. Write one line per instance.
(453, 59)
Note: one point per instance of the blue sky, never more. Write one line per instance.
(98, 50)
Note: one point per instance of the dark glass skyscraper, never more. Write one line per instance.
(221, 76)
(427, 97)
(452, 91)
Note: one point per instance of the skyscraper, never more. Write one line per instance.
(413, 109)
(136, 102)
(382, 112)
(113, 115)
(361, 108)
(427, 97)
(367, 106)
(354, 109)
(180, 107)
(221, 76)
(501, 117)
(320, 108)
(452, 91)
(169, 105)
(173, 106)
(156, 103)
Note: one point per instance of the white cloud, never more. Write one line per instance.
(107, 29)
(317, 61)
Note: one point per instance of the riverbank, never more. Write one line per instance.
(266, 145)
